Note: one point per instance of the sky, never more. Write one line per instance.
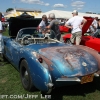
(47, 5)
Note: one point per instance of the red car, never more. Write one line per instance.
(63, 28)
(90, 41)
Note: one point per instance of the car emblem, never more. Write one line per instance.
(84, 64)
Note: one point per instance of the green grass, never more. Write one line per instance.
(5, 33)
(10, 84)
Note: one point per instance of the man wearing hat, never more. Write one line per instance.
(75, 24)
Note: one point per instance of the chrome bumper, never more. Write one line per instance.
(69, 79)
(75, 79)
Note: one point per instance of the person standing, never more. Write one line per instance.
(75, 24)
(93, 27)
(43, 23)
(54, 27)
(1, 40)
(98, 26)
(1, 30)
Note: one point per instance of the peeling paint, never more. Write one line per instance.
(48, 62)
(71, 56)
(65, 53)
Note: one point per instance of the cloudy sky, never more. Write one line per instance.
(46, 5)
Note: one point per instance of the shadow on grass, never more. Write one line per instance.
(76, 90)
(3, 63)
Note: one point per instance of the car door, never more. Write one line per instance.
(7, 48)
(15, 52)
(11, 50)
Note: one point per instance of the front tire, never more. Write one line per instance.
(26, 77)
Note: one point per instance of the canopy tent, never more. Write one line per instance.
(17, 13)
(14, 14)
(58, 14)
(65, 14)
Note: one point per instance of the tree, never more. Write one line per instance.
(9, 9)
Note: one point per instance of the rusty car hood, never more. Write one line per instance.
(71, 60)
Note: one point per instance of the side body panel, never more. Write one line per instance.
(91, 42)
(14, 52)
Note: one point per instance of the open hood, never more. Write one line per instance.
(22, 21)
(87, 25)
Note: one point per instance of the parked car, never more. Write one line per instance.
(44, 63)
(4, 22)
(63, 29)
(92, 41)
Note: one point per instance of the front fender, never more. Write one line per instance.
(39, 74)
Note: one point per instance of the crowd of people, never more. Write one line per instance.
(73, 23)
(52, 26)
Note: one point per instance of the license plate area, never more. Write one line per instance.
(87, 78)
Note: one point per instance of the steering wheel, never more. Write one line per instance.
(25, 39)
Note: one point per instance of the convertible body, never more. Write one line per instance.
(45, 63)
(92, 41)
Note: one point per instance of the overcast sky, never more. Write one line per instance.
(46, 5)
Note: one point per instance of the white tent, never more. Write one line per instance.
(65, 14)
(58, 14)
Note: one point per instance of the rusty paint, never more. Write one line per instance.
(69, 62)
(48, 62)
(64, 50)
(91, 51)
(70, 54)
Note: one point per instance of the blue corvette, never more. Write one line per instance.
(44, 63)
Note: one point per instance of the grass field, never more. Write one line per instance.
(11, 88)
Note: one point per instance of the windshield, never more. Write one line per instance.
(27, 31)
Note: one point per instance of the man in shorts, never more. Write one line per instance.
(75, 24)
